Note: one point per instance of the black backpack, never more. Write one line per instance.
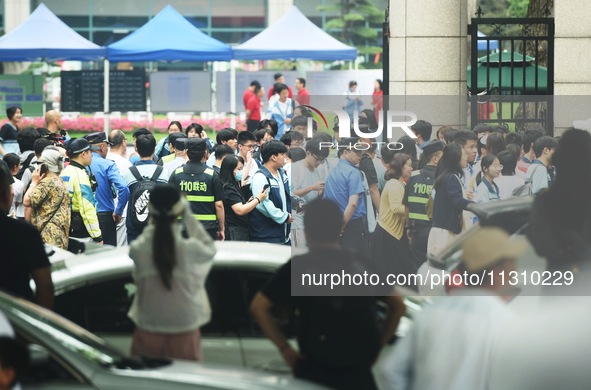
(140, 197)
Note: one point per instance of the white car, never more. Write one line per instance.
(511, 215)
(65, 356)
(95, 289)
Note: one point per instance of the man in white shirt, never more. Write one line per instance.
(118, 154)
(307, 178)
(450, 342)
(508, 181)
(246, 144)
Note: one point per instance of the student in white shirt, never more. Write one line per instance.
(508, 181)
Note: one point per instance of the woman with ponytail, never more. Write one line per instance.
(170, 304)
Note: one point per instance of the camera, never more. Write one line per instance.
(57, 140)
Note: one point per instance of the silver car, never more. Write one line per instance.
(65, 356)
(95, 290)
(510, 215)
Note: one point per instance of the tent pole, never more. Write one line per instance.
(232, 94)
(106, 72)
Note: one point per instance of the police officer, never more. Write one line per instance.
(84, 224)
(202, 187)
(416, 195)
(111, 186)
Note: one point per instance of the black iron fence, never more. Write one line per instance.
(511, 73)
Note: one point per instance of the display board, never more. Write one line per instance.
(83, 91)
(25, 91)
(180, 91)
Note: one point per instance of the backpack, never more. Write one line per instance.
(24, 166)
(140, 197)
(526, 188)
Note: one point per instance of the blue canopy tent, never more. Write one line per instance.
(294, 37)
(168, 37)
(43, 36)
(482, 45)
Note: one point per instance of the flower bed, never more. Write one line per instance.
(91, 124)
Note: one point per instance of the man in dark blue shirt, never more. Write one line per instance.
(110, 186)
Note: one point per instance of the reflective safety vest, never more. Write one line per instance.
(196, 181)
(168, 158)
(418, 189)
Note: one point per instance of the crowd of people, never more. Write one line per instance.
(274, 183)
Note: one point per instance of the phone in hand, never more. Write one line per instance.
(43, 170)
(265, 187)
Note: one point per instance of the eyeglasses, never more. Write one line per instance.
(320, 160)
(499, 166)
(249, 146)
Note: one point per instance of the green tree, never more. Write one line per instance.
(517, 8)
(353, 25)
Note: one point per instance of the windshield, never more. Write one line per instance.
(45, 325)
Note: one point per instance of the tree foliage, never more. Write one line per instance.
(355, 24)
(517, 8)
(504, 8)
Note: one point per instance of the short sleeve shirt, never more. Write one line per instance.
(368, 168)
(342, 182)
(232, 196)
(22, 252)
(254, 105)
(7, 133)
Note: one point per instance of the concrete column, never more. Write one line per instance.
(572, 53)
(572, 48)
(428, 56)
(277, 8)
(15, 12)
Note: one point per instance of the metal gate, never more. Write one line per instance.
(507, 86)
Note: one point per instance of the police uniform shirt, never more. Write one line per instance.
(203, 188)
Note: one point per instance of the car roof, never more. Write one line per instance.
(105, 261)
(510, 215)
(487, 210)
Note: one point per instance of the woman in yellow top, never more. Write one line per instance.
(391, 248)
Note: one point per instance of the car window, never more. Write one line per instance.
(99, 307)
(252, 282)
(44, 367)
(224, 292)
